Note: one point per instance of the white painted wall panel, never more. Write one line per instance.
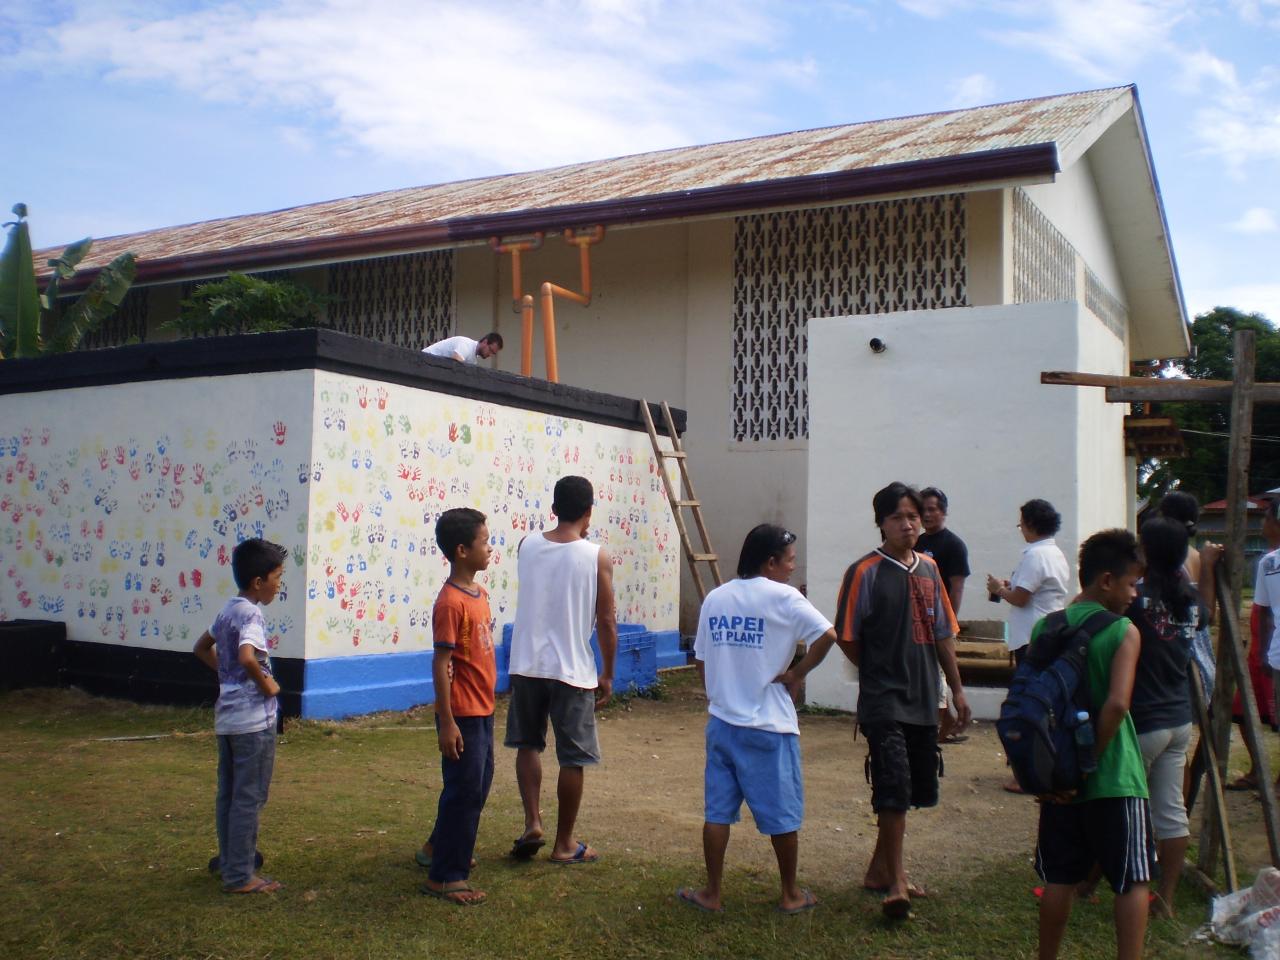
(954, 401)
(123, 504)
(389, 459)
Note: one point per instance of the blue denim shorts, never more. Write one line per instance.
(759, 766)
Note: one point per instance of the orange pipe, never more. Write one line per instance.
(549, 330)
(526, 336)
(516, 248)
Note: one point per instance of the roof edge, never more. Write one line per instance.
(1039, 159)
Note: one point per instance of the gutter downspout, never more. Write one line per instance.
(521, 302)
(550, 291)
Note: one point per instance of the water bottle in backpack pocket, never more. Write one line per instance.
(1045, 723)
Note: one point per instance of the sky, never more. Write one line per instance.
(124, 116)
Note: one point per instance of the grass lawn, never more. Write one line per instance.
(105, 845)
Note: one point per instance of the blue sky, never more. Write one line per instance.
(122, 116)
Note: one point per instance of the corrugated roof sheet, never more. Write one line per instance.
(829, 150)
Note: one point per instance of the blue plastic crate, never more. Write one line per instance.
(635, 665)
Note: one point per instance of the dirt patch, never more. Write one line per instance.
(645, 801)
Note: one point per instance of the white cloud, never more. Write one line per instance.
(970, 91)
(1102, 40)
(466, 85)
(1255, 220)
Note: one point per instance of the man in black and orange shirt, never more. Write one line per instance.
(465, 670)
(893, 620)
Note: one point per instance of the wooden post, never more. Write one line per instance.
(1237, 530)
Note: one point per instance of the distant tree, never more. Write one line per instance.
(33, 323)
(243, 304)
(1206, 425)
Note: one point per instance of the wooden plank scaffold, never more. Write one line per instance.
(683, 498)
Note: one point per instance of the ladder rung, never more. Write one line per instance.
(708, 557)
(677, 454)
(687, 503)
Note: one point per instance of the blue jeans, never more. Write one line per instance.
(462, 797)
(245, 761)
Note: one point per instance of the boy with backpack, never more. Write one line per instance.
(1107, 820)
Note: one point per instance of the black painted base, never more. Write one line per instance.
(36, 653)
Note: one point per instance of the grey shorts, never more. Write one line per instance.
(571, 710)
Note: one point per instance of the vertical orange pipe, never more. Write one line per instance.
(517, 279)
(526, 336)
(549, 332)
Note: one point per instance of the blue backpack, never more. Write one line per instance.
(1047, 740)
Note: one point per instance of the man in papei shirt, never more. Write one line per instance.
(747, 635)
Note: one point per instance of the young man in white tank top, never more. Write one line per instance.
(565, 589)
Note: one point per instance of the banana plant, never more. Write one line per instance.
(32, 323)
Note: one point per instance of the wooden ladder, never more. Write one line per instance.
(678, 454)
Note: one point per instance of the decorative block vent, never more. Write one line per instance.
(1105, 305)
(403, 300)
(1044, 261)
(795, 265)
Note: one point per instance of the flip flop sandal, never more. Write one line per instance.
(523, 848)
(1241, 783)
(448, 895)
(810, 901)
(899, 908)
(689, 895)
(264, 885)
(579, 856)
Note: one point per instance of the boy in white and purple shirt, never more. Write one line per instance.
(244, 719)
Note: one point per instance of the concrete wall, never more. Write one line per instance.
(123, 504)
(126, 501)
(387, 459)
(956, 401)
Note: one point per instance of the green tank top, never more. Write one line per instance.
(1120, 772)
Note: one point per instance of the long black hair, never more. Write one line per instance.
(1164, 545)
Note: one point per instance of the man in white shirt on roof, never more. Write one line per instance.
(466, 350)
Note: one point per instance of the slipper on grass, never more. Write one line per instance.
(450, 895)
(810, 901)
(897, 908)
(263, 885)
(690, 896)
(523, 848)
(579, 856)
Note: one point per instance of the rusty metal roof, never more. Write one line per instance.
(416, 217)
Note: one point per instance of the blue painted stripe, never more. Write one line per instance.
(337, 687)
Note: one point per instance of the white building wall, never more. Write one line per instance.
(1073, 206)
(955, 401)
(131, 497)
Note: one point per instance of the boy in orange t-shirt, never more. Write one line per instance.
(465, 673)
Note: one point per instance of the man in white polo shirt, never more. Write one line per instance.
(466, 350)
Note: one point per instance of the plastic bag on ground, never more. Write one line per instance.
(1251, 917)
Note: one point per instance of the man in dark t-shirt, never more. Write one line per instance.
(947, 550)
(894, 623)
